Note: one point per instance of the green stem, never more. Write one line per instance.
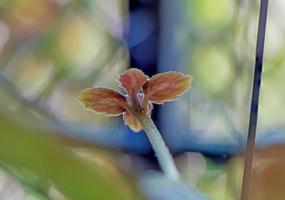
(163, 155)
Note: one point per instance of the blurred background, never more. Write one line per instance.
(52, 148)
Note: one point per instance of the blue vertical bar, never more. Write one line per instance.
(174, 125)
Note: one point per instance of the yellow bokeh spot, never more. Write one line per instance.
(81, 43)
(212, 68)
(210, 13)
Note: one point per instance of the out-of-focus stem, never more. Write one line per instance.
(162, 153)
(245, 192)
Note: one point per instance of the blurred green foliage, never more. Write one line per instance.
(51, 163)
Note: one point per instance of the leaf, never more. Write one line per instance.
(132, 80)
(41, 152)
(103, 100)
(132, 122)
(166, 86)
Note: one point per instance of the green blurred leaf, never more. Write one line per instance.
(76, 178)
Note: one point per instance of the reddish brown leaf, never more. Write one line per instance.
(166, 87)
(132, 80)
(132, 122)
(103, 100)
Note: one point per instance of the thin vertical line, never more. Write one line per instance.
(254, 100)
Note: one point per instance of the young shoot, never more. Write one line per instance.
(136, 104)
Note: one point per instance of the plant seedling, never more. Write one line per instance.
(136, 104)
